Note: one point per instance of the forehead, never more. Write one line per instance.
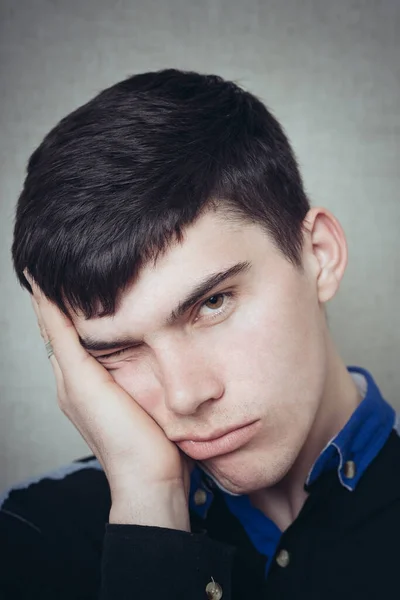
(212, 244)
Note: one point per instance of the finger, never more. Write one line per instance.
(45, 337)
(36, 309)
(42, 329)
(62, 334)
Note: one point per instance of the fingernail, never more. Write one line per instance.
(27, 276)
(32, 283)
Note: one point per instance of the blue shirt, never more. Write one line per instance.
(359, 441)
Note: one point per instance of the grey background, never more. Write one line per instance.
(329, 71)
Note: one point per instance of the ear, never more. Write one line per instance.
(327, 247)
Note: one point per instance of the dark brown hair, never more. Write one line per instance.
(119, 179)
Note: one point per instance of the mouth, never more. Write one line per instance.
(222, 444)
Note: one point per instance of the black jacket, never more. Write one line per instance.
(55, 543)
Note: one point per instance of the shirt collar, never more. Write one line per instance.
(352, 450)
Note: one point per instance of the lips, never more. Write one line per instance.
(203, 449)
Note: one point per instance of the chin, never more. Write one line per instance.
(243, 475)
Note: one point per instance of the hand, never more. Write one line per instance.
(147, 474)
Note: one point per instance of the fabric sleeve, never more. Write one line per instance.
(36, 565)
(155, 563)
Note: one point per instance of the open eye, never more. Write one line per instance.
(215, 305)
(215, 302)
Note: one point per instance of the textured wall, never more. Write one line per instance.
(329, 70)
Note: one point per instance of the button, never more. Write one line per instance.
(200, 497)
(349, 469)
(213, 590)
(283, 558)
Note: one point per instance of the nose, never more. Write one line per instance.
(190, 378)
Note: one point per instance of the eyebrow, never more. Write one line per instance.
(199, 291)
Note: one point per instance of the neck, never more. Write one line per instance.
(283, 502)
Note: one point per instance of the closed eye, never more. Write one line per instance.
(113, 354)
(116, 354)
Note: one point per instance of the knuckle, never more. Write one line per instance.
(42, 333)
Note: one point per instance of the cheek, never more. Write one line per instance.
(276, 351)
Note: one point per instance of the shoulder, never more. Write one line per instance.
(377, 498)
(51, 531)
(66, 510)
(78, 491)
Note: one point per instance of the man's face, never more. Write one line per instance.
(249, 351)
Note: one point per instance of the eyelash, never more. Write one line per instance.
(228, 295)
(114, 354)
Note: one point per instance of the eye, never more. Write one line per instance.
(214, 302)
(113, 355)
(215, 306)
(118, 353)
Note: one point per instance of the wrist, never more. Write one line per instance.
(158, 507)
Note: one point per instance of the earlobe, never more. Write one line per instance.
(329, 248)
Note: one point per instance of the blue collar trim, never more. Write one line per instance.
(361, 438)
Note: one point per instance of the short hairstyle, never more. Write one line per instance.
(120, 178)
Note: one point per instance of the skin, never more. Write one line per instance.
(256, 348)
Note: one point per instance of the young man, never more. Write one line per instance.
(179, 277)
